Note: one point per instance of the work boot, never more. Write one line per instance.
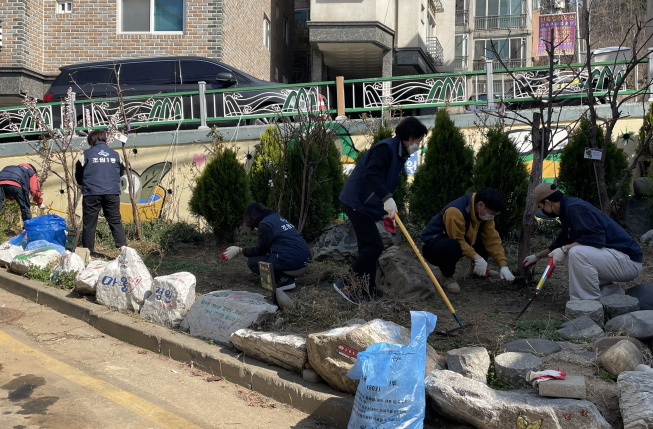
(451, 285)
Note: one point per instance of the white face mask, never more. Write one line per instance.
(413, 148)
(487, 217)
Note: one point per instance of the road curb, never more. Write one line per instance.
(317, 400)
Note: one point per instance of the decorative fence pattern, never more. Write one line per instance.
(229, 106)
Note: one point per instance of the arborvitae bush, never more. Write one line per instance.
(445, 174)
(323, 175)
(221, 194)
(265, 166)
(577, 178)
(499, 166)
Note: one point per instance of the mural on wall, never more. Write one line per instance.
(551, 165)
(150, 195)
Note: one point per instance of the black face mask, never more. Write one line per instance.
(550, 214)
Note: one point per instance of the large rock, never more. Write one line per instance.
(284, 350)
(86, 280)
(585, 307)
(602, 344)
(333, 353)
(124, 282)
(217, 315)
(647, 237)
(512, 367)
(472, 362)
(39, 258)
(536, 346)
(170, 299)
(338, 242)
(618, 304)
(402, 275)
(581, 327)
(643, 187)
(475, 403)
(638, 324)
(623, 356)
(644, 294)
(636, 399)
(638, 215)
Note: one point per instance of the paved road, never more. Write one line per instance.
(57, 372)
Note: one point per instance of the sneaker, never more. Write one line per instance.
(286, 283)
(451, 285)
(345, 291)
(288, 286)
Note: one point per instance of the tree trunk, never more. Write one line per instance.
(130, 181)
(529, 223)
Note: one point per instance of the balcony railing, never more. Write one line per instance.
(460, 63)
(435, 51)
(496, 65)
(436, 6)
(500, 21)
(462, 18)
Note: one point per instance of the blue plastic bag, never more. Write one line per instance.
(391, 394)
(19, 240)
(39, 244)
(51, 228)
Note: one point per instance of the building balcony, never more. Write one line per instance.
(460, 63)
(435, 51)
(436, 6)
(462, 18)
(511, 64)
(499, 21)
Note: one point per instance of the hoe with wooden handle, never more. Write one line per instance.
(433, 279)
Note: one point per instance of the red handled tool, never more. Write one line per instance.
(545, 275)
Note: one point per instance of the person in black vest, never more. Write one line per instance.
(465, 227)
(17, 182)
(98, 173)
(367, 198)
(279, 243)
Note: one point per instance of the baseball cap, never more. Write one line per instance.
(542, 191)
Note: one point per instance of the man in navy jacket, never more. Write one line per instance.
(98, 173)
(367, 198)
(596, 250)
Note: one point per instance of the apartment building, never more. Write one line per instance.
(379, 38)
(506, 25)
(39, 36)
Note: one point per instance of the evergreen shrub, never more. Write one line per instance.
(445, 174)
(221, 194)
(266, 165)
(499, 166)
(577, 178)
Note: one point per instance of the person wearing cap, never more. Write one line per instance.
(17, 182)
(597, 251)
(367, 198)
(465, 227)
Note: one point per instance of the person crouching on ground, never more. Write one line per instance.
(17, 182)
(279, 243)
(98, 173)
(454, 233)
(596, 250)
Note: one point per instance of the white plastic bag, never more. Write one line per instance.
(7, 253)
(70, 263)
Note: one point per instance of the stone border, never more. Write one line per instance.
(319, 401)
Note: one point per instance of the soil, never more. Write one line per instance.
(490, 306)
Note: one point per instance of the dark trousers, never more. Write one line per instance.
(370, 247)
(110, 205)
(20, 196)
(277, 266)
(445, 252)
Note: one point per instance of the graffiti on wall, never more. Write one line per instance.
(149, 194)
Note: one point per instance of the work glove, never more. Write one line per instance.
(480, 267)
(390, 207)
(42, 206)
(389, 224)
(558, 256)
(530, 261)
(506, 274)
(229, 253)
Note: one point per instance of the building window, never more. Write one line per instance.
(286, 31)
(276, 74)
(148, 16)
(64, 7)
(511, 51)
(498, 7)
(266, 33)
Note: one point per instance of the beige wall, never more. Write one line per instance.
(382, 11)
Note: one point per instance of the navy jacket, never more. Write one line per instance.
(375, 178)
(436, 227)
(585, 224)
(99, 171)
(18, 174)
(279, 237)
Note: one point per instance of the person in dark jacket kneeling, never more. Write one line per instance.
(279, 243)
(98, 173)
(367, 198)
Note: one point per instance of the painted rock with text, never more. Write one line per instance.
(170, 299)
(124, 282)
